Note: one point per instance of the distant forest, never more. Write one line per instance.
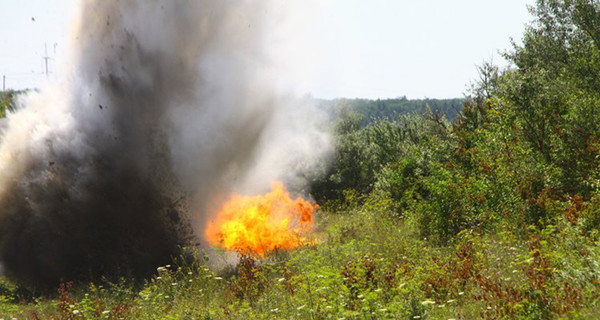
(390, 109)
(367, 109)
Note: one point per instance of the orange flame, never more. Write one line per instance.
(260, 224)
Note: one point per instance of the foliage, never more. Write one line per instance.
(492, 216)
(390, 109)
(368, 265)
(6, 101)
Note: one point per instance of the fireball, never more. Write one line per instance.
(259, 225)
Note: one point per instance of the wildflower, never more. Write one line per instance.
(461, 293)
(281, 279)
(426, 302)
(75, 311)
(275, 310)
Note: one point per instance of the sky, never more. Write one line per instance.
(350, 48)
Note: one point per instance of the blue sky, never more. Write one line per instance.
(367, 49)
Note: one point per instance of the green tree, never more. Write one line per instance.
(554, 91)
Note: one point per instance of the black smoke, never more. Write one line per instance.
(109, 172)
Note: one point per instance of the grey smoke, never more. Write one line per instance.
(170, 105)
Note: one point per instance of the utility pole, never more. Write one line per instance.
(45, 59)
(4, 83)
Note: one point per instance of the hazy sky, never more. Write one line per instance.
(363, 48)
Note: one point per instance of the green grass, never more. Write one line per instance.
(366, 265)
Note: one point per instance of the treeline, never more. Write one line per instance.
(390, 109)
(526, 136)
(522, 158)
(493, 215)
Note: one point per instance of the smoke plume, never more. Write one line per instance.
(170, 105)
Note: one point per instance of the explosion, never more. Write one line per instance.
(163, 105)
(258, 225)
